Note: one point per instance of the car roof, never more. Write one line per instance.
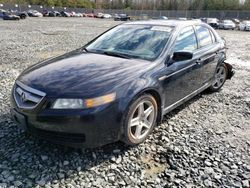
(171, 23)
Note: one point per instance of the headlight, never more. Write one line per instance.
(80, 103)
(68, 104)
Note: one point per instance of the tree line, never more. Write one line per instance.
(142, 4)
(178, 4)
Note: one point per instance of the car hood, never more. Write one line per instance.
(84, 74)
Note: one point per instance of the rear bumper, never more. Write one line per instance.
(78, 128)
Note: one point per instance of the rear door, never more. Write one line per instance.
(208, 53)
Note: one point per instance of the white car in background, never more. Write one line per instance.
(227, 24)
(99, 15)
(245, 26)
(213, 22)
(78, 15)
(34, 13)
(107, 16)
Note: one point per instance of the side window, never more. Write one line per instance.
(204, 36)
(186, 41)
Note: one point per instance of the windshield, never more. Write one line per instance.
(134, 41)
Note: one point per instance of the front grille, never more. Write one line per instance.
(27, 97)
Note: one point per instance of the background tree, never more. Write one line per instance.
(246, 5)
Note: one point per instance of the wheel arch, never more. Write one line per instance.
(156, 94)
(150, 91)
(158, 99)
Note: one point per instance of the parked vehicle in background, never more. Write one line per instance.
(99, 15)
(244, 25)
(213, 22)
(78, 15)
(121, 17)
(72, 14)
(237, 22)
(65, 14)
(182, 18)
(1, 13)
(89, 15)
(9, 16)
(107, 16)
(227, 24)
(160, 18)
(57, 13)
(34, 13)
(163, 18)
(47, 13)
(22, 15)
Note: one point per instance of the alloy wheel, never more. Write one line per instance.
(142, 119)
(220, 77)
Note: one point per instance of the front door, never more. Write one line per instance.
(182, 78)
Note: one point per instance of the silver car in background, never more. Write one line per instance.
(227, 24)
(245, 26)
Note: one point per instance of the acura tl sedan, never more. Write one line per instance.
(121, 84)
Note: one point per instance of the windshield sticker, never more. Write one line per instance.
(161, 28)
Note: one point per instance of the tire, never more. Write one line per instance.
(137, 131)
(220, 78)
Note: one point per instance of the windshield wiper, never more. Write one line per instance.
(115, 54)
(85, 49)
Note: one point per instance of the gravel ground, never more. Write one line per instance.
(204, 143)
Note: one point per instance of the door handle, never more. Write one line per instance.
(198, 62)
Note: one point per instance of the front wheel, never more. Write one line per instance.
(219, 78)
(140, 120)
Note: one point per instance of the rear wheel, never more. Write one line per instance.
(140, 120)
(219, 78)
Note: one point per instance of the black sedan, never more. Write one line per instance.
(121, 17)
(9, 16)
(119, 86)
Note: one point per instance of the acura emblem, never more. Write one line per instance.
(23, 97)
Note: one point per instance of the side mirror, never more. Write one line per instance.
(182, 56)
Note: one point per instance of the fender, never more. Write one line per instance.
(136, 88)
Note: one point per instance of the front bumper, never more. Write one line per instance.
(229, 27)
(76, 128)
